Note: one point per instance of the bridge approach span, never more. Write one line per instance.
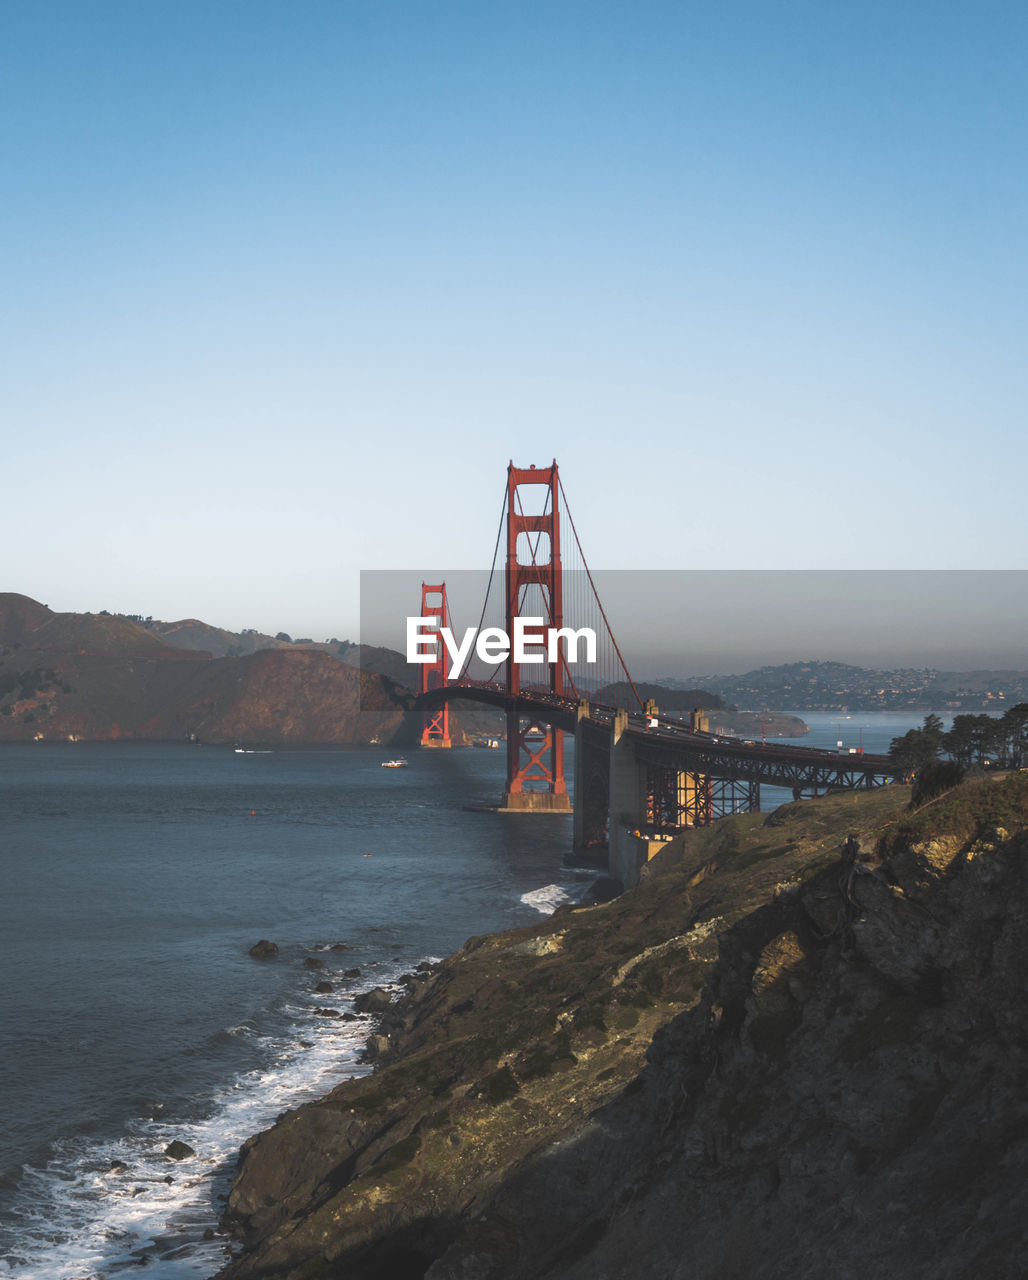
(672, 745)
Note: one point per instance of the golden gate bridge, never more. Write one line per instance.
(640, 776)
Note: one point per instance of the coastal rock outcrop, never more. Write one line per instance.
(764, 1061)
(376, 1000)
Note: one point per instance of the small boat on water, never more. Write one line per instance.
(398, 763)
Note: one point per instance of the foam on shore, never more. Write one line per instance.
(83, 1217)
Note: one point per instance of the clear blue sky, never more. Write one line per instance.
(286, 284)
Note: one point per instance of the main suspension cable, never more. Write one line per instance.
(596, 594)
(489, 586)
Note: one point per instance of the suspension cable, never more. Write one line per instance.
(489, 585)
(596, 594)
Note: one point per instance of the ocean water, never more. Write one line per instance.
(134, 880)
(870, 731)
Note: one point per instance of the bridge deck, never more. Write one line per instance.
(672, 745)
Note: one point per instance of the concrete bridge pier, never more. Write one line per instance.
(632, 837)
(535, 755)
(592, 785)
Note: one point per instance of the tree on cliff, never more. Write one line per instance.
(974, 738)
(977, 738)
(918, 747)
(1015, 725)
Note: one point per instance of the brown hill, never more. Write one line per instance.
(98, 677)
(381, 661)
(191, 633)
(20, 617)
(287, 697)
(27, 624)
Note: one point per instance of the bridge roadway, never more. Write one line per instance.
(673, 745)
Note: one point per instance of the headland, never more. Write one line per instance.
(797, 1025)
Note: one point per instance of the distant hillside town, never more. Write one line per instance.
(837, 686)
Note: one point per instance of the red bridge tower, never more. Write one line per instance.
(435, 730)
(535, 751)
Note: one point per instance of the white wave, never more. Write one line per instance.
(79, 1218)
(547, 899)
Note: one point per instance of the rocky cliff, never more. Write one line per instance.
(768, 1060)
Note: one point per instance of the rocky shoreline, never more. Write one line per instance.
(767, 1059)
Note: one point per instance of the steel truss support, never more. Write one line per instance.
(677, 798)
(774, 766)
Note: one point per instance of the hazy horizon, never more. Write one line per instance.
(731, 622)
(736, 621)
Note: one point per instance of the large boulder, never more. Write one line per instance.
(264, 950)
(376, 1047)
(377, 1000)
